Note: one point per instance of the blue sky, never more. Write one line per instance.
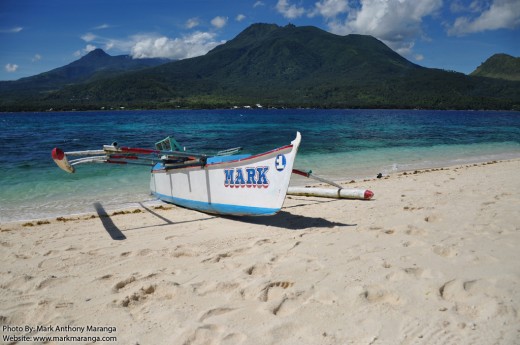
(39, 35)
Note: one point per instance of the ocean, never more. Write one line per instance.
(337, 144)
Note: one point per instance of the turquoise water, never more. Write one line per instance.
(338, 144)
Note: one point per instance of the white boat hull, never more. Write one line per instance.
(256, 185)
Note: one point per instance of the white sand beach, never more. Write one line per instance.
(434, 258)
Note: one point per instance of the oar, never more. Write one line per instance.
(309, 174)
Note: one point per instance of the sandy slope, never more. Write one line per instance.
(433, 259)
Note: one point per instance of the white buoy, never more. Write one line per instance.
(337, 193)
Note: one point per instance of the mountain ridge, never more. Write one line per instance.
(94, 65)
(499, 66)
(287, 66)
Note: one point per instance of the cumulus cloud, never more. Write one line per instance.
(498, 14)
(289, 11)
(219, 22)
(396, 22)
(11, 68)
(106, 43)
(195, 44)
(152, 45)
(88, 37)
(89, 47)
(36, 57)
(240, 18)
(419, 57)
(258, 3)
(463, 6)
(109, 45)
(330, 8)
(192, 22)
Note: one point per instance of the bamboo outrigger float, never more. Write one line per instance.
(226, 183)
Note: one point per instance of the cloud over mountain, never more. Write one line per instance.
(195, 44)
(289, 11)
(396, 22)
(486, 15)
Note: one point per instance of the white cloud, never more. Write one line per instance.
(289, 11)
(88, 37)
(396, 22)
(105, 42)
(89, 47)
(36, 57)
(240, 18)
(109, 45)
(419, 57)
(11, 68)
(192, 22)
(330, 8)
(258, 3)
(478, 5)
(500, 14)
(12, 30)
(102, 27)
(196, 44)
(219, 22)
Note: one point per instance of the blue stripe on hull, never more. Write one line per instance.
(224, 209)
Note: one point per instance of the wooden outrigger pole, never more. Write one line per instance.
(113, 154)
(339, 193)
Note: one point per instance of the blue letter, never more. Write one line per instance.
(251, 176)
(262, 178)
(239, 179)
(229, 177)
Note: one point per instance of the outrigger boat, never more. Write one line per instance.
(227, 183)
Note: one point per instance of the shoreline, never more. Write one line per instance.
(34, 188)
(245, 108)
(433, 257)
(295, 181)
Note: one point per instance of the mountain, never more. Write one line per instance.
(285, 66)
(501, 66)
(95, 65)
(263, 53)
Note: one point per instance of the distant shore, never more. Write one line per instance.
(245, 106)
(432, 258)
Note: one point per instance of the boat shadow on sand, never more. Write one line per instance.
(117, 234)
(282, 219)
(286, 220)
(290, 221)
(112, 230)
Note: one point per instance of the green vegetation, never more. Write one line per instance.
(500, 66)
(279, 66)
